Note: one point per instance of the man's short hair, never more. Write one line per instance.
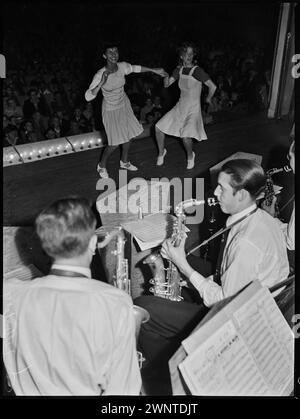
(66, 227)
(246, 174)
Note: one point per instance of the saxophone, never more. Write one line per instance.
(167, 281)
(122, 281)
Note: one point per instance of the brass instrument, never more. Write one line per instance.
(121, 279)
(167, 281)
(269, 192)
(285, 168)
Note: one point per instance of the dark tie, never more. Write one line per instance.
(217, 277)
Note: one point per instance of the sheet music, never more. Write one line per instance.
(177, 358)
(269, 339)
(223, 366)
(152, 228)
(148, 245)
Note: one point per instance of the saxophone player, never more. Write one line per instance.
(68, 333)
(287, 228)
(254, 249)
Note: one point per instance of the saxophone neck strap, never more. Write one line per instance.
(221, 231)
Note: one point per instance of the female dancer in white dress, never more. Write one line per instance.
(118, 118)
(185, 119)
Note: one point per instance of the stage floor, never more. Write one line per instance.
(29, 187)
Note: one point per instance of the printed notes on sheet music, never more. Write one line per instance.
(249, 354)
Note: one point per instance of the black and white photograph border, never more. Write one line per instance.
(141, 110)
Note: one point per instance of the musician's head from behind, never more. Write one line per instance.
(240, 183)
(67, 231)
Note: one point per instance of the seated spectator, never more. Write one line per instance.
(136, 110)
(234, 100)
(157, 102)
(54, 123)
(9, 94)
(63, 121)
(224, 100)
(39, 125)
(32, 137)
(148, 106)
(50, 134)
(80, 119)
(59, 103)
(12, 109)
(88, 113)
(15, 121)
(25, 129)
(20, 95)
(157, 112)
(11, 136)
(5, 122)
(34, 103)
(150, 118)
(47, 94)
(74, 128)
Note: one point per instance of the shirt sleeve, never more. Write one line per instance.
(209, 291)
(130, 68)
(288, 230)
(242, 263)
(200, 75)
(239, 272)
(124, 373)
(290, 234)
(96, 80)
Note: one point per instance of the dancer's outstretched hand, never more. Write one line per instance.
(161, 72)
(208, 101)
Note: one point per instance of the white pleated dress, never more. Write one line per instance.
(184, 120)
(118, 118)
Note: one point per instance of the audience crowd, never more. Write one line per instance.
(43, 94)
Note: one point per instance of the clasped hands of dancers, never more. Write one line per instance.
(184, 120)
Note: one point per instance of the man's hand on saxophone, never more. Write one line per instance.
(177, 255)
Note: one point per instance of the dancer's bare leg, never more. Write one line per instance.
(188, 145)
(125, 151)
(109, 149)
(160, 139)
(125, 163)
